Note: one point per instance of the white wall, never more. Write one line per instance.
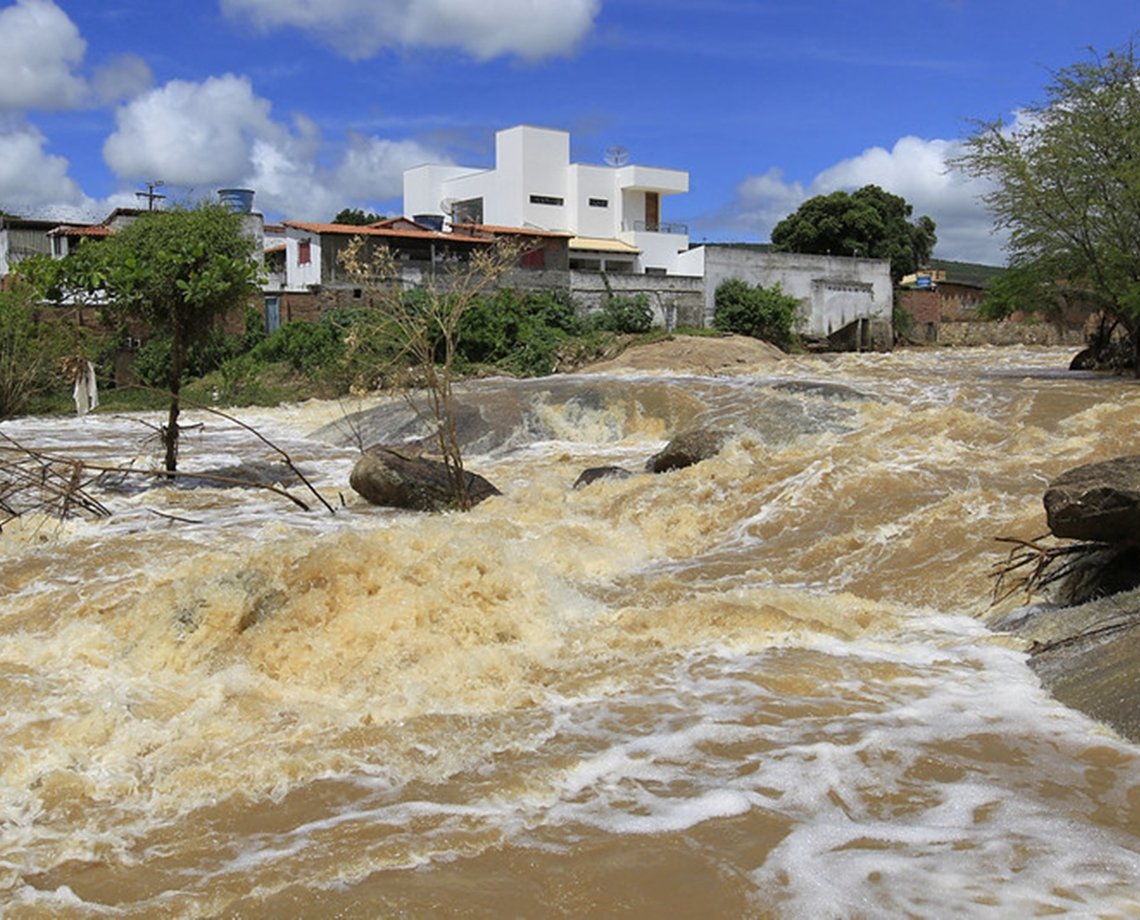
(835, 290)
(297, 276)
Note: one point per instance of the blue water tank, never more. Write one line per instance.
(238, 200)
(431, 221)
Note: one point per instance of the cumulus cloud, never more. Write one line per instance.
(189, 133)
(39, 46)
(220, 133)
(32, 181)
(121, 78)
(917, 169)
(529, 29)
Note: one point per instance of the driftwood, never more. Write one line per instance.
(32, 481)
(1032, 565)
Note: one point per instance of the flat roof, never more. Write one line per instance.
(602, 244)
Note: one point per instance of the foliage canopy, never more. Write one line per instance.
(179, 271)
(869, 222)
(1066, 185)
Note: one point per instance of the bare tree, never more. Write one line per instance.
(425, 321)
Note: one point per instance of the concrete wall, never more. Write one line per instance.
(834, 290)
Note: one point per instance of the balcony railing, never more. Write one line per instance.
(658, 226)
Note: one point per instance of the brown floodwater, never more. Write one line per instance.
(757, 687)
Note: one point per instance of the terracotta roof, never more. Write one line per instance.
(65, 230)
(355, 230)
(497, 230)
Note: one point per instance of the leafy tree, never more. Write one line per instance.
(870, 222)
(1066, 185)
(356, 217)
(179, 271)
(30, 351)
(763, 313)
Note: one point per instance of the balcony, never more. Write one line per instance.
(657, 226)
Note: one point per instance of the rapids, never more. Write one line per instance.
(757, 687)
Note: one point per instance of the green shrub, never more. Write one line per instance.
(624, 314)
(520, 334)
(760, 312)
(30, 352)
(306, 347)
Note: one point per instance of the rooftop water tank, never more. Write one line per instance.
(238, 200)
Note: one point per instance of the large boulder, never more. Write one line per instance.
(1098, 502)
(687, 448)
(393, 479)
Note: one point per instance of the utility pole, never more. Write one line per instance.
(150, 194)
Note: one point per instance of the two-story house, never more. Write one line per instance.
(612, 213)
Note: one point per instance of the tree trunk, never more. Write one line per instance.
(170, 432)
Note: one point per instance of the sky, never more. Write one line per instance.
(319, 105)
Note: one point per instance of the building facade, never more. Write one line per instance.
(611, 213)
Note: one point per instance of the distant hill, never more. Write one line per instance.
(967, 272)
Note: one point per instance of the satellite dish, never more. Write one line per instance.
(616, 156)
(447, 205)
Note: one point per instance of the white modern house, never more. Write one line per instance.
(613, 212)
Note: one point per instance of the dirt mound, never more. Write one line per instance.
(693, 354)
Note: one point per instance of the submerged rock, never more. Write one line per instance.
(1087, 656)
(594, 473)
(393, 479)
(687, 448)
(1098, 502)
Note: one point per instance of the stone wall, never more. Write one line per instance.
(1006, 333)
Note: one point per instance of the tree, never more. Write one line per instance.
(870, 222)
(179, 271)
(763, 313)
(1066, 185)
(426, 323)
(356, 217)
(30, 351)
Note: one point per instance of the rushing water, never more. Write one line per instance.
(757, 687)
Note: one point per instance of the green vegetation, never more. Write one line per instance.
(179, 272)
(1066, 185)
(356, 217)
(30, 352)
(763, 313)
(869, 222)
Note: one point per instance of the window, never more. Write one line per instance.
(546, 199)
(304, 252)
(599, 202)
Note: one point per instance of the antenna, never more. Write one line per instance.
(150, 194)
(616, 155)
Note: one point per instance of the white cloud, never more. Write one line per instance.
(189, 133)
(530, 29)
(915, 168)
(35, 182)
(121, 78)
(219, 133)
(39, 46)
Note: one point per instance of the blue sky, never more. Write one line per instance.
(321, 104)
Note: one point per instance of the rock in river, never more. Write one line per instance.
(687, 448)
(1097, 501)
(396, 480)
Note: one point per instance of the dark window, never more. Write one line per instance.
(545, 199)
(599, 202)
(304, 252)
